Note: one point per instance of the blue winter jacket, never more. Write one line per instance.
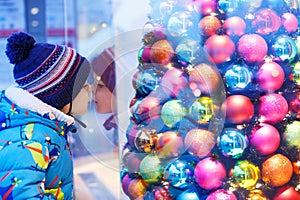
(35, 160)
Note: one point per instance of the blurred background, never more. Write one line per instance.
(89, 26)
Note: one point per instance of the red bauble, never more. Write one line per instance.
(205, 7)
(234, 26)
(273, 108)
(206, 78)
(287, 193)
(161, 52)
(238, 109)
(252, 47)
(208, 25)
(270, 76)
(173, 81)
(289, 22)
(265, 138)
(220, 48)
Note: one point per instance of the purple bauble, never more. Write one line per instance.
(252, 47)
(209, 173)
(221, 194)
(270, 76)
(125, 183)
(273, 108)
(265, 138)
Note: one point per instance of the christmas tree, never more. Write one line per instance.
(217, 104)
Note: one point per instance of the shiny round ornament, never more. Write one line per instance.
(238, 109)
(199, 142)
(151, 169)
(172, 112)
(187, 50)
(284, 47)
(295, 105)
(232, 142)
(137, 188)
(220, 48)
(234, 26)
(270, 76)
(261, 136)
(205, 7)
(296, 73)
(221, 194)
(202, 109)
(147, 110)
(180, 23)
(170, 144)
(252, 48)
(173, 82)
(237, 77)
(132, 161)
(266, 21)
(209, 25)
(146, 140)
(246, 174)
(144, 57)
(209, 173)
(292, 134)
(272, 108)
(179, 173)
(286, 193)
(277, 170)
(161, 52)
(147, 81)
(289, 22)
(228, 6)
(189, 194)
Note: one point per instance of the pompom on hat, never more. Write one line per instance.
(53, 73)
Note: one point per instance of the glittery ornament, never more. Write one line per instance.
(221, 194)
(206, 77)
(208, 25)
(260, 138)
(199, 142)
(170, 144)
(291, 134)
(266, 21)
(273, 108)
(287, 193)
(270, 76)
(289, 22)
(146, 140)
(151, 169)
(232, 142)
(179, 173)
(234, 26)
(161, 52)
(220, 48)
(238, 109)
(277, 170)
(172, 112)
(237, 77)
(245, 174)
(180, 23)
(209, 173)
(202, 109)
(284, 47)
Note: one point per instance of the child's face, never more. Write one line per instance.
(80, 103)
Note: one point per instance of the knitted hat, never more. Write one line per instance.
(53, 73)
(104, 66)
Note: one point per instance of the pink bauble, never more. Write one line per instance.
(148, 109)
(220, 48)
(287, 193)
(238, 109)
(173, 81)
(266, 21)
(170, 144)
(221, 194)
(252, 47)
(270, 76)
(146, 54)
(273, 108)
(265, 138)
(289, 22)
(205, 7)
(234, 26)
(209, 173)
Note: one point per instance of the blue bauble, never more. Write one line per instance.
(180, 23)
(228, 5)
(187, 50)
(237, 77)
(179, 173)
(284, 47)
(232, 142)
(147, 81)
